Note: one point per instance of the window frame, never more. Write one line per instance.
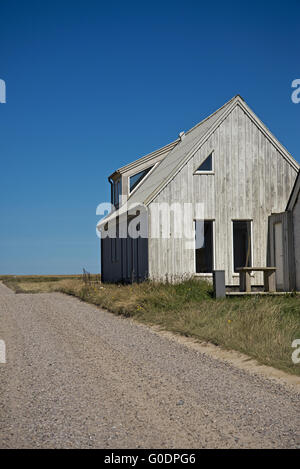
(206, 274)
(250, 220)
(116, 192)
(212, 171)
(142, 180)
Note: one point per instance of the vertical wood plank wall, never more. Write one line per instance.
(130, 262)
(251, 180)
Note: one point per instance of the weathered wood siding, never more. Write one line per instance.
(296, 223)
(251, 180)
(128, 262)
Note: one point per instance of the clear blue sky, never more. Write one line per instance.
(93, 85)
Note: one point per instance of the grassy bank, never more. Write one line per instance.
(261, 327)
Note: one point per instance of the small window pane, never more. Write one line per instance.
(204, 246)
(206, 165)
(116, 192)
(136, 179)
(241, 244)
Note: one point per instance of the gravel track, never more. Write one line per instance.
(80, 377)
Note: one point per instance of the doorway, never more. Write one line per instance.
(278, 254)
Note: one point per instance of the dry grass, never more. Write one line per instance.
(261, 327)
(38, 283)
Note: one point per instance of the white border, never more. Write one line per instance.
(212, 164)
(144, 178)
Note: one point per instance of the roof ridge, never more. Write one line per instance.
(215, 112)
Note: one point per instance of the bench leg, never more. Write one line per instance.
(242, 281)
(248, 282)
(270, 281)
(245, 282)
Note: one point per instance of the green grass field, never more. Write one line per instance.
(262, 327)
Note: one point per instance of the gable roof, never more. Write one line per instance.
(294, 194)
(185, 148)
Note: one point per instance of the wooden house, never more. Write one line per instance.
(232, 166)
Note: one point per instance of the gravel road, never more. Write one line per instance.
(79, 377)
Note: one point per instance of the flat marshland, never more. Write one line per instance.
(262, 327)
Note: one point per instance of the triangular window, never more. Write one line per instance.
(207, 165)
(136, 178)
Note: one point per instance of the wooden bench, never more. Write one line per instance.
(269, 278)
